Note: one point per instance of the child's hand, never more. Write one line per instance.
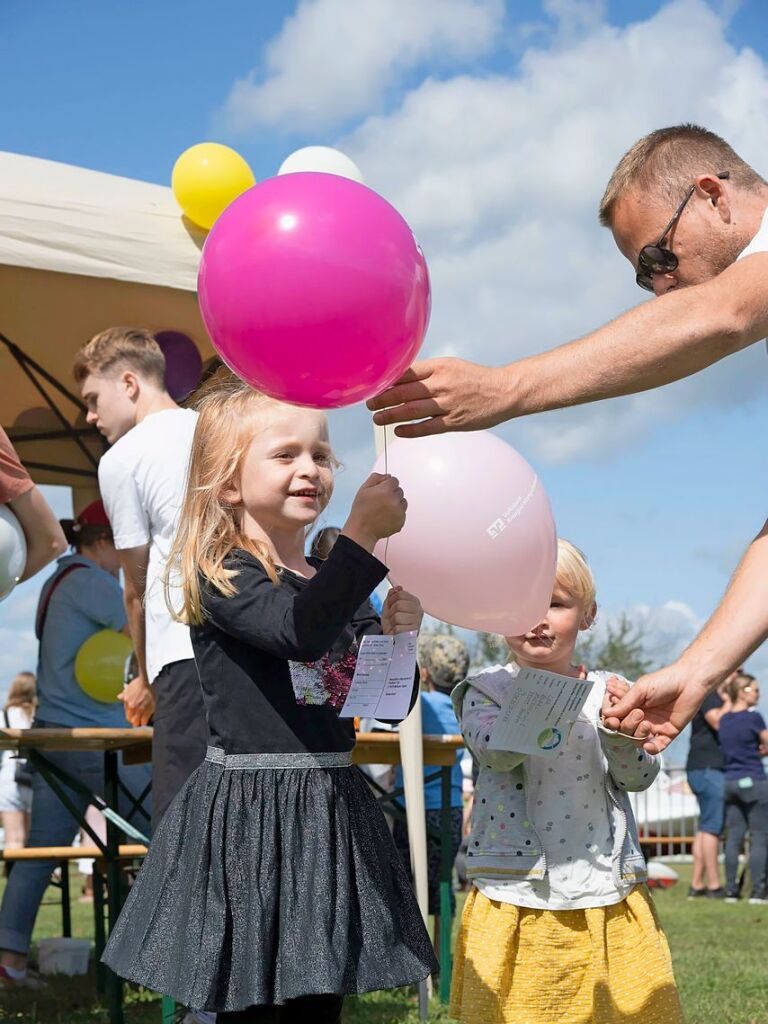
(378, 511)
(402, 612)
(615, 689)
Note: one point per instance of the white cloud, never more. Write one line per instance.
(500, 176)
(334, 59)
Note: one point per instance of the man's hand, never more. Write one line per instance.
(402, 613)
(615, 689)
(668, 700)
(139, 701)
(445, 394)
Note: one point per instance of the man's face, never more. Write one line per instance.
(703, 240)
(110, 403)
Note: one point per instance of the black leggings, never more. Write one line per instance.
(305, 1010)
(746, 809)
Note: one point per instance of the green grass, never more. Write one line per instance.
(720, 953)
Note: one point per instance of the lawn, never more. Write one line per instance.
(720, 953)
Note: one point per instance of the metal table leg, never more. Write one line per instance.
(66, 910)
(114, 984)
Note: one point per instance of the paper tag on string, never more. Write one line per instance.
(538, 713)
(382, 685)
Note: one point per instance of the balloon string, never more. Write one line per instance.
(386, 473)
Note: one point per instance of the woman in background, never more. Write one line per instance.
(15, 788)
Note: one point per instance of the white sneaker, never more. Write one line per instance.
(758, 900)
(28, 980)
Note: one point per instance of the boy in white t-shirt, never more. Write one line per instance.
(121, 373)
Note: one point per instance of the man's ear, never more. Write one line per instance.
(713, 189)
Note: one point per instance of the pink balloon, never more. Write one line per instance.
(314, 290)
(479, 546)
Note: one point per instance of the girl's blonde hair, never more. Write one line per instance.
(23, 693)
(209, 527)
(574, 575)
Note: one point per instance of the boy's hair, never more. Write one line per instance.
(118, 349)
(230, 413)
(574, 575)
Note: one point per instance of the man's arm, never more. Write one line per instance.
(670, 697)
(137, 696)
(45, 538)
(653, 344)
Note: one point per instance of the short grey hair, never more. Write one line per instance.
(667, 161)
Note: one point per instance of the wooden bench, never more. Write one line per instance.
(69, 852)
(62, 856)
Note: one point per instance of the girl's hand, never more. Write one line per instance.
(402, 613)
(378, 511)
(615, 689)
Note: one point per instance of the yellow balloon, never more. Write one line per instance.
(100, 664)
(207, 178)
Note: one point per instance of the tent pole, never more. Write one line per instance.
(412, 758)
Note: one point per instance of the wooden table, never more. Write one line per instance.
(34, 744)
(136, 746)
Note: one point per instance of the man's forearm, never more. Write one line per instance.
(738, 626)
(653, 344)
(134, 607)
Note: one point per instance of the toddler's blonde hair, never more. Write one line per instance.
(574, 575)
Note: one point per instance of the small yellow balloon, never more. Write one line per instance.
(100, 664)
(207, 178)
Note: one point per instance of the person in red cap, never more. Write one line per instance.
(82, 597)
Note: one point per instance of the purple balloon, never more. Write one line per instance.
(183, 363)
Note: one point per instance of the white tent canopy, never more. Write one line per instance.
(81, 251)
(76, 221)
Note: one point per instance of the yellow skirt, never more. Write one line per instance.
(605, 965)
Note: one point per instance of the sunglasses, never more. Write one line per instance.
(656, 259)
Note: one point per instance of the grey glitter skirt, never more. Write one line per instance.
(265, 883)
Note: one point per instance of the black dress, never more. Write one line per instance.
(273, 874)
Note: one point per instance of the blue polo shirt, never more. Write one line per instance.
(438, 718)
(739, 736)
(86, 601)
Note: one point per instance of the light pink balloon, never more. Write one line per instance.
(314, 290)
(479, 546)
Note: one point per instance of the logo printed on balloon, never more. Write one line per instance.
(445, 555)
(510, 514)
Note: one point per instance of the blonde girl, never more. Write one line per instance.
(272, 888)
(559, 925)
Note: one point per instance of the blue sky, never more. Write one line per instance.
(493, 128)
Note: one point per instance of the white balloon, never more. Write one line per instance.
(13, 551)
(324, 159)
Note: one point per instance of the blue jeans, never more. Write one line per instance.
(708, 784)
(53, 825)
